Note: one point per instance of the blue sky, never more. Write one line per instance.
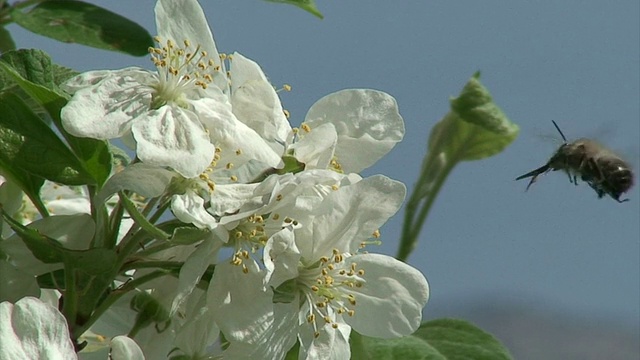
(576, 62)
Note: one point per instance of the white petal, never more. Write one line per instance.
(199, 331)
(367, 121)
(271, 342)
(172, 136)
(124, 348)
(181, 20)
(228, 198)
(349, 216)
(239, 302)
(143, 179)
(31, 329)
(231, 135)
(90, 78)
(331, 344)
(189, 208)
(390, 302)
(192, 269)
(281, 257)
(107, 109)
(317, 148)
(255, 101)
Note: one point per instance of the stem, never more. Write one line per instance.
(115, 296)
(70, 297)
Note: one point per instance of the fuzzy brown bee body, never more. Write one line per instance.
(604, 171)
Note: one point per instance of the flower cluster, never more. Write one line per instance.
(278, 217)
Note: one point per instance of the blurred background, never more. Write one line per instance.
(553, 272)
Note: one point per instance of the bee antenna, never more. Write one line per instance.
(560, 131)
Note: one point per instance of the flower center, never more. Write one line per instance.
(180, 70)
(327, 289)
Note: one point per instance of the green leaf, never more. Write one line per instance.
(94, 262)
(28, 144)
(441, 339)
(33, 71)
(285, 292)
(86, 24)
(6, 41)
(32, 65)
(408, 347)
(480, 128)
(187, 235)
(307, 5)
(30, 184)
(457, 339)
(52, 280)
(474, 129)
(44, 248)
(141, 220)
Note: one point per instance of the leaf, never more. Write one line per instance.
(408, 347)
(307, 5)
(441, 339)
(28, 144)
(33, 71)
(86, 24)
(95, 262)
(44, 248)
(6, 41)
(187, 235)
(474, 129)
(141, 220)
(477, 128)
(459, 339)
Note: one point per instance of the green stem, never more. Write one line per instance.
(115, 296)
(70, 297)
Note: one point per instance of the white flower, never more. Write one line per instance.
(124, 348)
(347, 131)
(31, 329)
(179, 116)
(318, 285)
(366, 122)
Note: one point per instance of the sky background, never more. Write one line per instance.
(556, 247)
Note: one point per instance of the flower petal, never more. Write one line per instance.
(181, 20)
(255, 101)
(143, 179)
(349, 216)
(31, 329)
(189, 208)
(330, 344)
(390, 302)
(107, 109)
(192, 270)
(367, 121)
(239, 143)
(172, 136)
(124, 348)
(317, 148)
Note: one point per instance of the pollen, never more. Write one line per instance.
(180, 70)
(331, 293)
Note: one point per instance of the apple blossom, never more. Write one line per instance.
(179, 116)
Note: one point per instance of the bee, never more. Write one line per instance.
(604, 171)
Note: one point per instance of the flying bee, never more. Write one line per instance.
(604, 171)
